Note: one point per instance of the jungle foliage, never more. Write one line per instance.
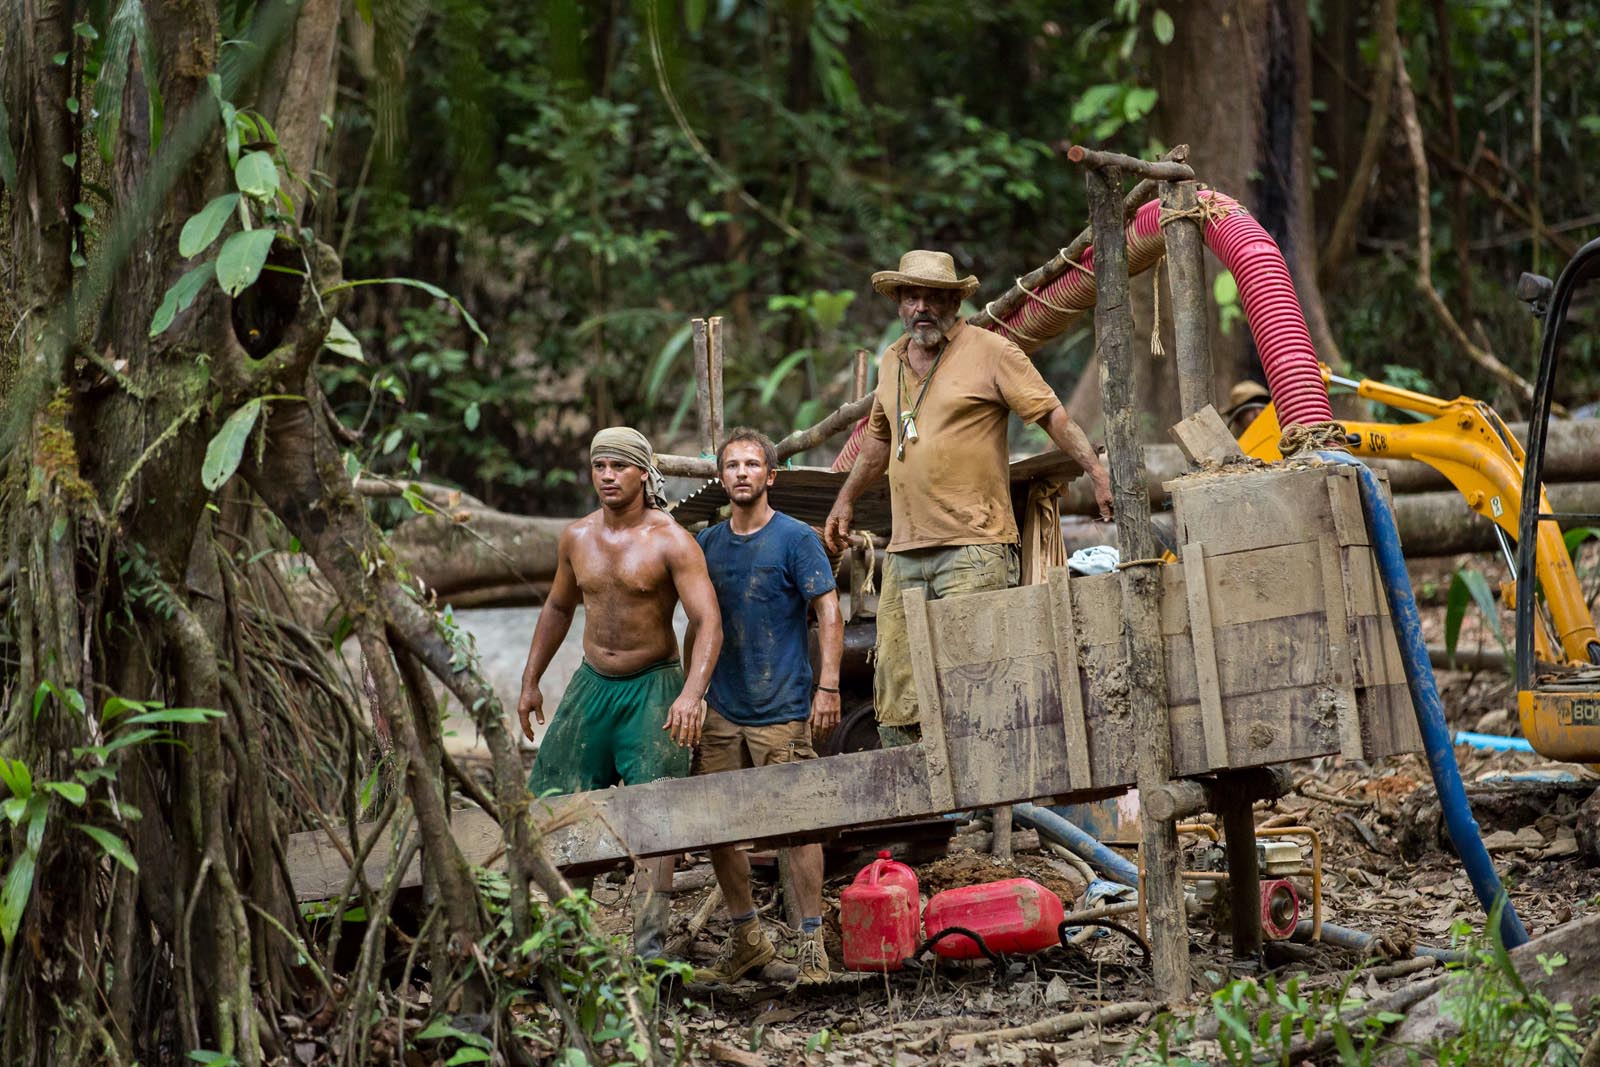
(257, 247)
(586, 218)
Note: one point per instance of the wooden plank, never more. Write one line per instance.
(1003, 728)
(930, 710)
(1064, 637)
(714, 340)
(1203, 641)
(1204, 438)
(1344, 499)
(773, 804)
(702, 383)
(1240, 510)
(1341, 665)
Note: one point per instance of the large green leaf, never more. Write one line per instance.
(179, 296)
(128, 29)
(227, 447)
(71, 792)
(665, 359)
(1469, 585)
(1577, 536)
(114, 846)
(256, 175)
(171, 715)
(241, 259)
(416, 283)
(203, 227)
(14, 897)
(776, 377)
(14, 773)
(340, 341)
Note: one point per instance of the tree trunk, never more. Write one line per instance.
(136, 582)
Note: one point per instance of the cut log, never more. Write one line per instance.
(488, 548)
(1434, 1020)
(1573, 456)
(1431, 524)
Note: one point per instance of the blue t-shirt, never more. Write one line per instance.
(765, 581)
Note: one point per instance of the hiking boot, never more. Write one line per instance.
(746, 949)
(812, 959)
(651, 913)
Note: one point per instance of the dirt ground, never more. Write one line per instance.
(1386, 870)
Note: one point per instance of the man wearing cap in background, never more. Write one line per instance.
(938, 427)
(1246, 400)
(630, 714)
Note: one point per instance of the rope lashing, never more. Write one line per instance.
(869, 584)
(1155, 561)
(1157, 349)
(1317, 437)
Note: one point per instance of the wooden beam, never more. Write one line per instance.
(778, 804)
(702, 385)
(714, 342)
(1197, 592)
(1074, 726)
(1141, 582)
(1191, 324)
(930, 706)
(1204, 438)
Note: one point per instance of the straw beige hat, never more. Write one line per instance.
(1245, 393)
(936, 270)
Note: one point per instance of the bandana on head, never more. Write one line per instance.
(630, 446)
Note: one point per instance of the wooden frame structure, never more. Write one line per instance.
(1268, 641)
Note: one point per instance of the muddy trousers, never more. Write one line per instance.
(939, 572)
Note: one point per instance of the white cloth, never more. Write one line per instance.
(1096, 559)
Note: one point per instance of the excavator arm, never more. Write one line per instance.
(1467, 442)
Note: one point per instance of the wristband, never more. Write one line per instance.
(827, 689)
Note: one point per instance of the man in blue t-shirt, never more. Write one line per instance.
(762, 707)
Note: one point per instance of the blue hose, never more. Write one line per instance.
(1425, 701)
(1361, 941)
(1057, 829)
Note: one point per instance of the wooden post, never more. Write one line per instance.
(702, 384)
(1141, 582)
(714, 375)
(858, 386)
(1186, 271)
(1000, 843)
(1244, 872)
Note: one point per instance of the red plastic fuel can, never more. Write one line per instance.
(1016, 915)
(879, 916)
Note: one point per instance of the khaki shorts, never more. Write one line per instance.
(938, 572)
(727, 746)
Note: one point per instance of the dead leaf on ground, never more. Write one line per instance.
(725, 1053)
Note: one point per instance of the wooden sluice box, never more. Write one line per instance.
(1278, 647)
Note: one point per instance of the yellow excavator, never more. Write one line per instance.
(1467, 441)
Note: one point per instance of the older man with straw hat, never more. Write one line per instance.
(630, 713)
(938, 427)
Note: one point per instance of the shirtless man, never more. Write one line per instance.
(630, 714)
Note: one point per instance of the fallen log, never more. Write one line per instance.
(1572, 982)
(479, 548)
(1431, 524)
(1573, 456)
(1054, 1026)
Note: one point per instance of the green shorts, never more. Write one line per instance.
(609, 730)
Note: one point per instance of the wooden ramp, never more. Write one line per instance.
(1278, 648)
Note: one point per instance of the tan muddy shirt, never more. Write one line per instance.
(953, 486)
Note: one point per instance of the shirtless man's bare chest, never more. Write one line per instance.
(628, 592)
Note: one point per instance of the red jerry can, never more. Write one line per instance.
(1016, 915)
(878, 916)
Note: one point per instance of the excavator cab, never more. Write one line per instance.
(1559, 702)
